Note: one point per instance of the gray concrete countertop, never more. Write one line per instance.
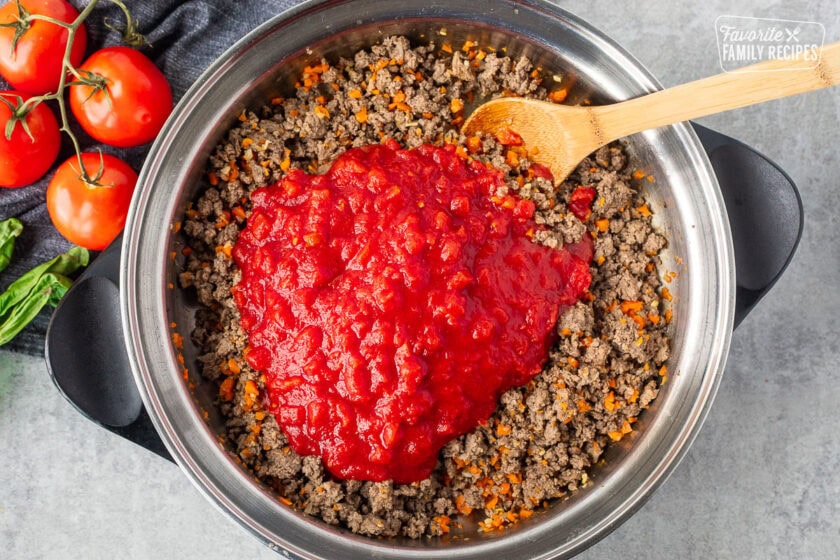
(761, 481)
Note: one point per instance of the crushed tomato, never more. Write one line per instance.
(390, 302)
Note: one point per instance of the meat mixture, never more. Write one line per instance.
(545, 437)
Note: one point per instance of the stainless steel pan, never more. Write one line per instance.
(687, 201)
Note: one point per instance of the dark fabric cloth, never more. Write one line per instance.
(185, 38)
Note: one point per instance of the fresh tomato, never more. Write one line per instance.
(23, 158)
(132, 103)
(91, 215)
(34, 65)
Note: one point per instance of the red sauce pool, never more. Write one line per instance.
(390, 303)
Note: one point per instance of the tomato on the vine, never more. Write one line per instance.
(23, 158)
(34, 63)
(131, 104)
(87, 214)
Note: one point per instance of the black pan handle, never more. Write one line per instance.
(86, 356)
(85, 349)
(765, 215)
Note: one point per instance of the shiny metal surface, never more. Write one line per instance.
(685, 199)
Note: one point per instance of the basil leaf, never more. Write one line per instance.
(9, 231)
(64, 264)
(49, 290)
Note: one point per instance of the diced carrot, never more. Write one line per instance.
(287, 162)
(234, 172)
(603, 225)
(224, 219)
(639, 320)
(512, 159)
(558, 95)
(317, 68)
(226, 389)
(238, 212)
(461, 505)
(225, 249)
(629, 307)
(233, 366)
(251, 392)
(474, 144)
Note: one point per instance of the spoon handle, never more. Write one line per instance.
(772, 79)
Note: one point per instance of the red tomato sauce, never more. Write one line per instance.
(390, 302)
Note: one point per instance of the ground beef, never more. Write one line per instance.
(544, 438)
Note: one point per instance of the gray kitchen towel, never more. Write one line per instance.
(185, 38)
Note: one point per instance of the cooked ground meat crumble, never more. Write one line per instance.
(543, 439)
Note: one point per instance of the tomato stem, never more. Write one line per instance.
(59, 94)
(19, 113)
(51, 20)
(130, 34)
(20, 25)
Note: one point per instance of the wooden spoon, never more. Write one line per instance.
(561, 136)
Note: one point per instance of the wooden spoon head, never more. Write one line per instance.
(556, 136)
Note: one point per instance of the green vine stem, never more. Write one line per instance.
(130, 35)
